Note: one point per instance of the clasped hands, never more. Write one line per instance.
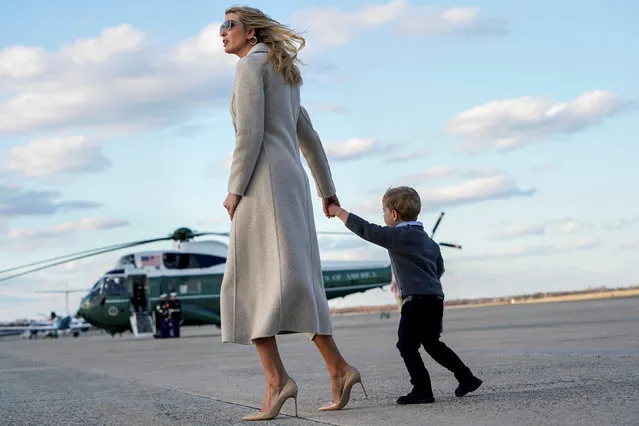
(330, 205)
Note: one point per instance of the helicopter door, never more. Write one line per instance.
(140, 317)
(139, 293)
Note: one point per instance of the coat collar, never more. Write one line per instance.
(259, 47)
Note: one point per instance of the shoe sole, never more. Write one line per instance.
(469, 390)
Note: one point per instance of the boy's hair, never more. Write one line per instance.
(405, 200)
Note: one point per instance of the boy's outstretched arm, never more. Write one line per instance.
(335, 210)
(380, 235)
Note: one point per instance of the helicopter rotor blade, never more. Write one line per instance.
(223, 234)
(90, 253)
(457, 246)
(59, 260)
(439, 219)
(53, 259)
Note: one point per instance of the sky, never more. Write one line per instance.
(517, 119)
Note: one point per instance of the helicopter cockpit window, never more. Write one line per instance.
(96, 287)
(190, 260)
(114, 286)
(129, 259)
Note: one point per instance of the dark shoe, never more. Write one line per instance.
(416, 397)
(468, 386)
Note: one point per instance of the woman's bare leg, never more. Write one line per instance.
(335, 363)
(276, 375)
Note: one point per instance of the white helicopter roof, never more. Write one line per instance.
(214, 247)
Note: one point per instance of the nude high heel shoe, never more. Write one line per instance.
(289, 391)
(352, 377)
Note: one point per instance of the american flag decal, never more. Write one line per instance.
(151, 260)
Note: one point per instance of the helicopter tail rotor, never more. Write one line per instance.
(439, 219)
(457, 246)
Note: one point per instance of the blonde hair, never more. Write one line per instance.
(279, 37)
(405, 200)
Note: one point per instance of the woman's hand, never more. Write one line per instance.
(230, 203)
(328, 201)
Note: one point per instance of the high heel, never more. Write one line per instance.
(289, 391)
(352, 377)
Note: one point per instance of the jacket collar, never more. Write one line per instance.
(259, 47)
(412, 222)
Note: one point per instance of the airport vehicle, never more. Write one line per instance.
(125, 298)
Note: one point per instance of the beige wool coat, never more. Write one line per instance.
(273, 279)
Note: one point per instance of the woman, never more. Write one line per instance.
(273, 281)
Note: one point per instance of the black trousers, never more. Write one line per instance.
(421, 324)
(175, 325)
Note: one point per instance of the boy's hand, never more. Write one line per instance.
(328, 201)
(334, 210)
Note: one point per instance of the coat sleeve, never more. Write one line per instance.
(383, 236)
(249, 111)
(312, 149)
(440, 265)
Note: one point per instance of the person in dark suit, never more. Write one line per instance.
(175, 311)
(162, 317)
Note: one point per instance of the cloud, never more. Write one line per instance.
(409, 156)
(22, 62)
(83, 224)
(216, 220)
(630, 245)
(57, 155)
(548, 165)
(190, 130)
(354, 149)
(508, 231)
(22, 240)
(513, 123)
(427, 20)
(495, 186)
(120, 81)
(443, 171)
(16, 201)
(571, 226)
(621, 222)
(220, 166)
(518, 231)
(546, 249)
(117, 81)
(330, 27)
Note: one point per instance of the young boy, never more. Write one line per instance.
(417, 264)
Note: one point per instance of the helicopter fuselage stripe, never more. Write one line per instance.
(208, 296)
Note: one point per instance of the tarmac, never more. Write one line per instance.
(572, 363)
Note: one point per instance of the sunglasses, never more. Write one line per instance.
(226, 25)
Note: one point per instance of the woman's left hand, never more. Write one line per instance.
(230, 203)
